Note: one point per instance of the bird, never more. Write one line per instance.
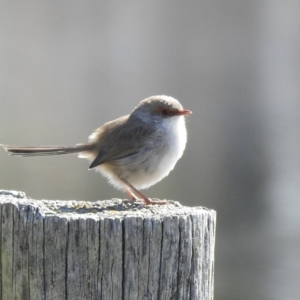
(134, 151)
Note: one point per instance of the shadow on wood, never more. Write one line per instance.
(104, 250)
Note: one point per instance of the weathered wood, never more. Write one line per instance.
(104, 250)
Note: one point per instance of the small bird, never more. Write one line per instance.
(134, 151)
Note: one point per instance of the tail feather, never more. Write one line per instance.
(46, 150)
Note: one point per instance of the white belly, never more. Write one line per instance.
(152, 166)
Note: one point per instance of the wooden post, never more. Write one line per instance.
(104, 250)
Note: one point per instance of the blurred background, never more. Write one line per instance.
(67, 67)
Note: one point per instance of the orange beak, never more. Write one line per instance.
(184, 112)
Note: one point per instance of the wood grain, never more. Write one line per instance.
(104, 250)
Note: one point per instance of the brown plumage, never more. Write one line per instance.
(136, 150)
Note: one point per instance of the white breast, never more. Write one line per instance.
(149, 167)
(163, 161)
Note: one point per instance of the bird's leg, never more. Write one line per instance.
(146, 200)
(131, 195)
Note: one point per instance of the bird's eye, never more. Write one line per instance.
(164, 112)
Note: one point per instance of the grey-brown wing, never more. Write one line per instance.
(128, 138)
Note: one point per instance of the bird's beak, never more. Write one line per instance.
(184, 112)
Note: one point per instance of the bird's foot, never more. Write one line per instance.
(145, 201)
(148, 201)
(131, 191)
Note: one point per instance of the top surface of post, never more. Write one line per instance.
(99, 209)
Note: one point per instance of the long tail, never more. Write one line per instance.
(46, 150)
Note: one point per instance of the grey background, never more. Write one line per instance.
(66, 67)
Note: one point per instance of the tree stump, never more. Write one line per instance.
(104, 250)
